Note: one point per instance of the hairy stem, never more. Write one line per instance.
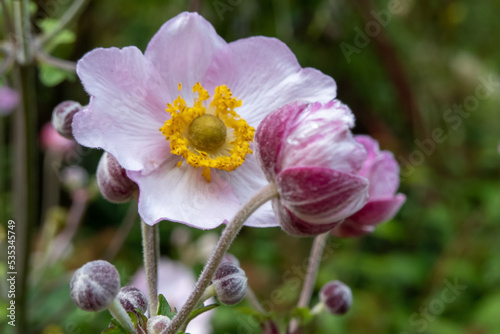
(312, 273)
(150, 246)
(25, 182)
(228, 235)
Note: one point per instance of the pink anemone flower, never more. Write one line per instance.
(180, 118)
(309, 152)
(382, 170)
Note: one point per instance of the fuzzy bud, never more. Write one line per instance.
(113, 181)
(95, 285)
(336, 296)
(62, 117)
(158, 324)
(230, 258)
(132, 298)
(230, 283)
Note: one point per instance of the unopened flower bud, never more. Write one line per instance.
(230, 283)
(230, 258)
(62, 117)
(132, 298)
(158, 324)
(95, 285)
(336, 296)
(113, 181)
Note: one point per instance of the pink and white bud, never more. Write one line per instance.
(158, 324)
(382, 170)
(50, 139)
(113, 182)
(95, 285)
(132, 298)
(309, 152)
(230, 283)
(336, 296)
(62, 117)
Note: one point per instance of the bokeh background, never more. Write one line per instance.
(422, 77)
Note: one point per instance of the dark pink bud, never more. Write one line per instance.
(113, 181)
(230, 283)
(309, 152)
(62, 117)
(158, 324)
(336, 296)
(132, 298)
(95, 285)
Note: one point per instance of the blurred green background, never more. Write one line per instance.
(405, 68)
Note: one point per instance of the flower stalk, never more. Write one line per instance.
(150, 245)
(228, 235)
(118, 312)
(312, 273)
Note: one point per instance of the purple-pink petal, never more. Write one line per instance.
(377, 211)
(126, 109)
(183, 195)
(265, 74)
(321, 195)
(183, 50)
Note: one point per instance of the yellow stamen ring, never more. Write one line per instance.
(213, 137)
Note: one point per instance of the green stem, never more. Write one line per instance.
(228, 235)
(118, 312)
(312, 273)
(25, 183)
(150, 245)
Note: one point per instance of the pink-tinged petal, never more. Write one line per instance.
(352, 230)
(127, 107)
(319, 141)
(384, 178)
(270, 134)
(246, 181)
(182, 194)
(265, 74)
(377, 211)
(372, 151)
(182, 50)
(297, 227)
(321, 195)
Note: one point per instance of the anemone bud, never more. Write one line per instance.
(132, 298)
(113, 181)
(230, 283)
(62, 117)
(95, 285)
(336, 296)
(158, 324)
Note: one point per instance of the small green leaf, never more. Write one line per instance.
(51, 76)
(114, 328)
(65, 36)
(201, 310)
(164, 307)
